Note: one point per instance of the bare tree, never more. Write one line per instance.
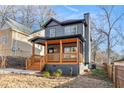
(97, 39)
(109, 25)
(33, 15)
(45, 13)
(26, 15)
(5, 11)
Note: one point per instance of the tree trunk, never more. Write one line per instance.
(94, 56)
(109, 62)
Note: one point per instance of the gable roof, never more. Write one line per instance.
(120, 60)
(50, 20)
(66, 22)
(72, 21)
(35, 31)
(9, 23)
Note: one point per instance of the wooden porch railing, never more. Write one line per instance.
(69, 57)
(53, 57)
(35, 59)
(66, 57)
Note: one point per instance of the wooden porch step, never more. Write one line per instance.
(34, 67)
(38, 64)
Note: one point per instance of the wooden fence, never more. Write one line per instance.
(119, 76)
(116, 74)
(110, 71)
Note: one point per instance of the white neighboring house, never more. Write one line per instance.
(14, 40)
(38, 33)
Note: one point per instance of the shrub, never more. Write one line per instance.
(46, 74)
(58, 73)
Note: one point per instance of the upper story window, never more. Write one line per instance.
(4, 39)
(52, 32)
(70, 30)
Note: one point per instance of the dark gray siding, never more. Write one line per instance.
(80, 28)
(52, 24)
(60, 29)
(67, 69)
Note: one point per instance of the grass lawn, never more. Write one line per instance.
(101, 74)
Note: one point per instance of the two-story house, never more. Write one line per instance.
(67, 46)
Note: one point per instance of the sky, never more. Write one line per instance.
(65, 12)
(73, 11)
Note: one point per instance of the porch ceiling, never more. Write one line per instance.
(56, 40)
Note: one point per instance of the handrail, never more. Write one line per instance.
(29, 60)
(42, 62)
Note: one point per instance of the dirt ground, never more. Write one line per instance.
(87, 82)
(29, 81)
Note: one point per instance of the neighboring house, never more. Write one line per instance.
(38, 33)
(14, 40)
(119, 62)
(67, 46)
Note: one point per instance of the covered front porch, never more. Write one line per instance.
(57, 51)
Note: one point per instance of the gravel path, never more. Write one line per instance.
(28, 81)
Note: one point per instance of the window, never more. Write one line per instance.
(4, 40)
(69, 49)
(14, 48)
(39, 47)
(52, 32)
(67, 30)
(52, 50)
(74, 29)
(71, 30)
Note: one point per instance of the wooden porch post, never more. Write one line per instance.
(61, 53)
(33, 49)
(46, 51)
(77, 52)
(33, 52)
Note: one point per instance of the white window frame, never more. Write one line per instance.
(52, 32)
(4, 40)
(68, 30)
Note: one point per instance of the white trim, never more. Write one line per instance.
(51, 32)
(70, 30)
